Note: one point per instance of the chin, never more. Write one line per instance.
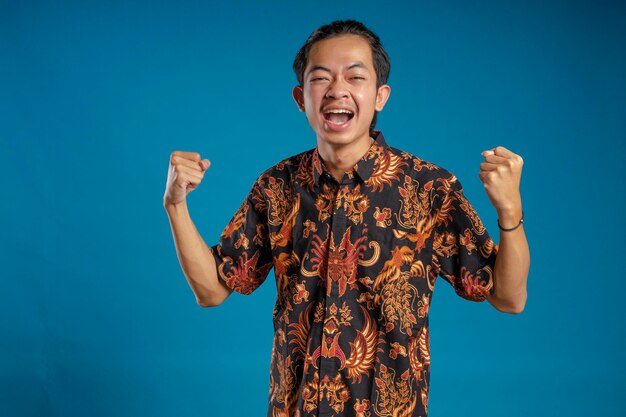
(335, 138)
(341, 137)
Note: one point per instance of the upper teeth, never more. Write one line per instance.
(339, 111)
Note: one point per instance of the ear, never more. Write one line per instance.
(298, 96)
(381, 96)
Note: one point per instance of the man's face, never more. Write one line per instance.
(339, 93)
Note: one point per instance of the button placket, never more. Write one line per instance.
(329, 366)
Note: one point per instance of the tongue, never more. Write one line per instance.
(338, 118)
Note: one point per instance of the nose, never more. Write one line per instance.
(337, 89)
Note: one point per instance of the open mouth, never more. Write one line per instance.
(338, 116)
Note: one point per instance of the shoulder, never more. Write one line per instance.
(286, 169)
(425, 171)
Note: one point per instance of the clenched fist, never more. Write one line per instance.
(501, 174)
(185, 174)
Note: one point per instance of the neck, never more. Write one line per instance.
(341, 158)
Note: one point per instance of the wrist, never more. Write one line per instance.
(175, 208)
(510, 219)
(509, 212)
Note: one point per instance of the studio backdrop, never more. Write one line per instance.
(97, 317)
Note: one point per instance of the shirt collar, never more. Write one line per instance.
(363, 168)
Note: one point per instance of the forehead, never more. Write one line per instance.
(340, 51)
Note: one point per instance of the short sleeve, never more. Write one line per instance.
(463, 250)
(243, 256)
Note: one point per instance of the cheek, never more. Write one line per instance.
(311, 117)
(366, 101)
(313, 96)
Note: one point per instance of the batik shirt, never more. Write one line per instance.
(355, 263)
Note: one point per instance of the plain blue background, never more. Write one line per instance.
(96, 316)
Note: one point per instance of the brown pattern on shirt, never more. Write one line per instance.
(355, 263)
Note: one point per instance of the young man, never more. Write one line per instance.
(357, 233)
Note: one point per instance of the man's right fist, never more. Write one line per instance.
(185, 174)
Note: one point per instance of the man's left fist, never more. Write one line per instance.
(500, 174)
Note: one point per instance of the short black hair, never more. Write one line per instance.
(346, 27)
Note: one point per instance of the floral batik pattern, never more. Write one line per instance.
(355, 263)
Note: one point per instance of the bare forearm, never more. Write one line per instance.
(195, 258)
(512, 265)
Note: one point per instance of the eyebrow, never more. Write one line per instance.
(357, 64)
(318, 67)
